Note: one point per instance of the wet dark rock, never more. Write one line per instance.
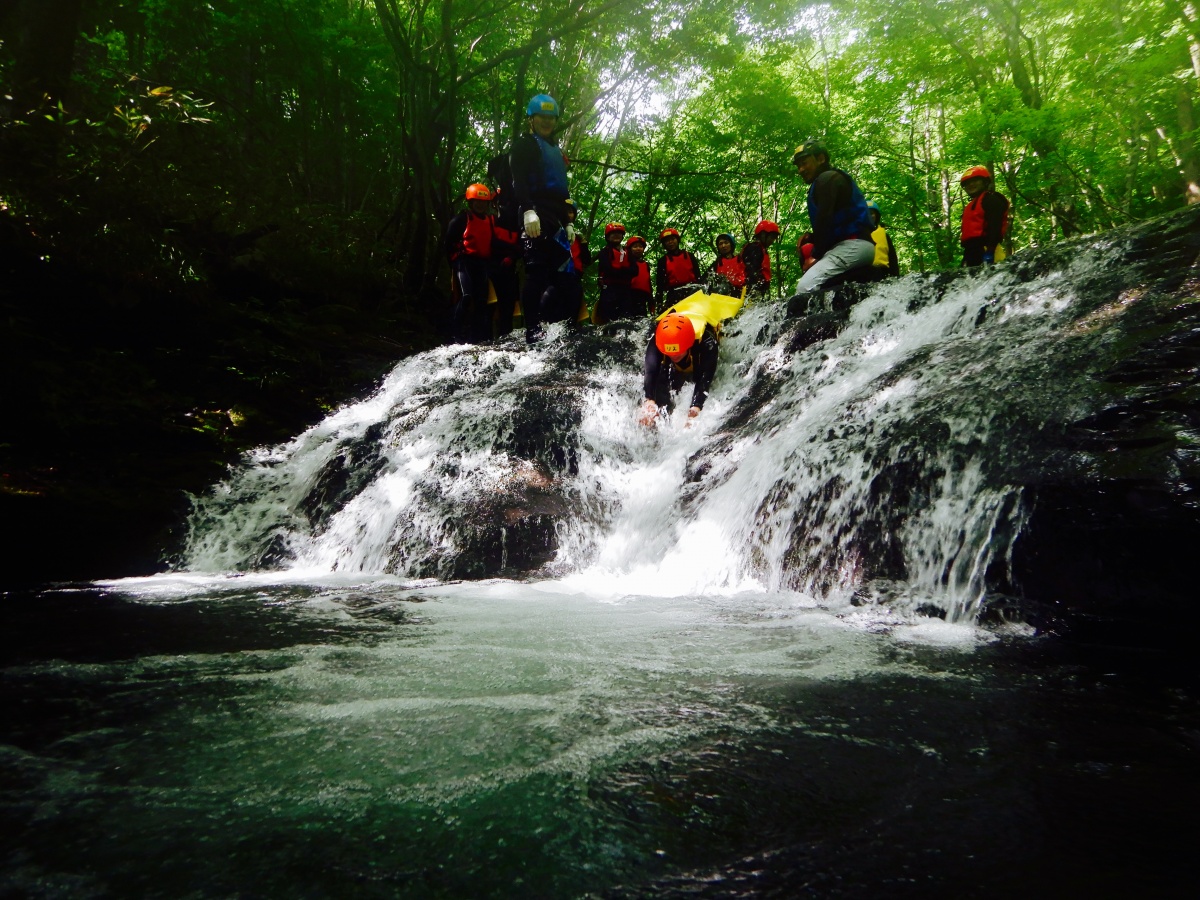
(1114, 520)
(544, 428)
(1112, 496)
(513, 532)
(815, 328)
(354, 466)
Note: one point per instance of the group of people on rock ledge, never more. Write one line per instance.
(530, 216)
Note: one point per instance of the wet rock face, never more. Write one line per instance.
(513, 531)
(350, 470)
(1111, 512)
(1115, 517)
(1085, 424)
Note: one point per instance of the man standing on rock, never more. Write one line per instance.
(837, 212)
(539, 173)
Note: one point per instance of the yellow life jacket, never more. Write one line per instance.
(879, 236)
(705, 310)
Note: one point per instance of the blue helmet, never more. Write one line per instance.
(871, 204)
(542, 105)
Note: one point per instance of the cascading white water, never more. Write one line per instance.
(876, 463)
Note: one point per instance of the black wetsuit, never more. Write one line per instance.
(540, 184)
(758, 283)
(662, 377)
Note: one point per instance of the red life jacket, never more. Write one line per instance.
(641, 281)
(618, 259)
(973, 219)
(680, 270)
(766, 265)
(477, 236)
(732, 269)
(577, 254)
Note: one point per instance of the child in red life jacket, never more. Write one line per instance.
(756, 258)
(616, 271)
(984, 219)
(639, 286)
(676, 271)
(469, 244)
(729, 266)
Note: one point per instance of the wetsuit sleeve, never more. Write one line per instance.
(706, 368)
(831, 191)
(585, 254)
(893, 262)
(452, 243)
(660, 280)
(994, 207)
(650, 370)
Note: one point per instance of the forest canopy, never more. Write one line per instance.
(356, 124)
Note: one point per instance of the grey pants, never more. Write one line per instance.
(843, 257)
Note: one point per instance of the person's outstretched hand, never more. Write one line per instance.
(647, 413)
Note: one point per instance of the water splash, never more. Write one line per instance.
(871, 457)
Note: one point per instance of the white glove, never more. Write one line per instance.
(533, 225)
(570, 233)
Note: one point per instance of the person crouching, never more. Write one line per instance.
(673, 356)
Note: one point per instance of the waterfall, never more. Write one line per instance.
(872, 455)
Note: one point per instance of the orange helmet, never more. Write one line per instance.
(666, 233)
(635, 239)
(478, 192)
(613, 226)
(766, 225)
(675, 336)
(975, 172)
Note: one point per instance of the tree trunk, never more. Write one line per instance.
(1189, 165)
(945, 244)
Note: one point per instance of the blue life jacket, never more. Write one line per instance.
(553, 170)
(848, 221)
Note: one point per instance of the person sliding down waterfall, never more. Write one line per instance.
(539, 173)
(837, 212)
(684, 348)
